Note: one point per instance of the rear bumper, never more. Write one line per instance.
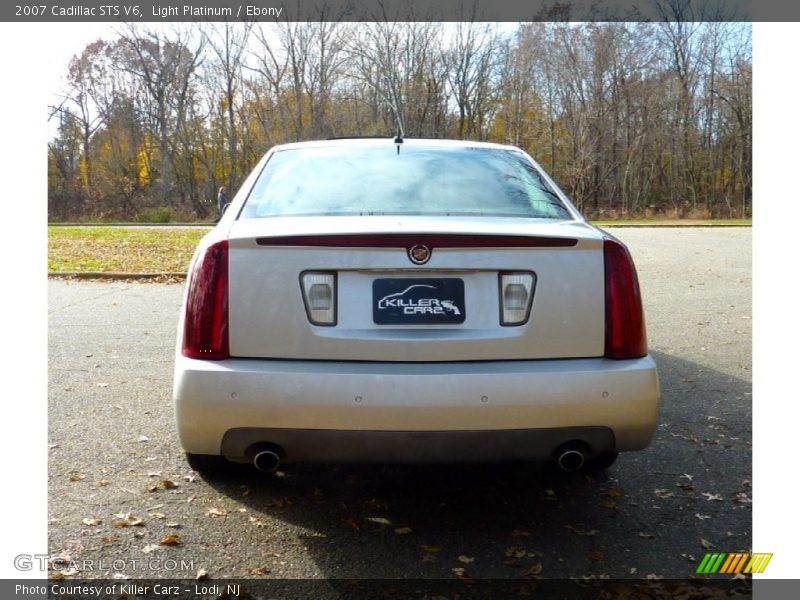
(373, 410)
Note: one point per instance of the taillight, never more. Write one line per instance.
(625, 330)
(205, 331)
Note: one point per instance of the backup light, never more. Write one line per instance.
(319, 296)
(516, 297)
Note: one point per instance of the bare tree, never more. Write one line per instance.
(165, 67)
(228, 43)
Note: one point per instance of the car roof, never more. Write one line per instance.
(389, 141)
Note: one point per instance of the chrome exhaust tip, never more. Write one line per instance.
(266, 461)
(571, 460)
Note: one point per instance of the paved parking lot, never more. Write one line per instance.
(114, 451)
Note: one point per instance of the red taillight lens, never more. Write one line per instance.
(205, 331)
(625, 330)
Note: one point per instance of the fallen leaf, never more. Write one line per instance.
(202, 574)
(646, 536)
(402, 530)
(216, 512)
(710, 497)
(534, 571)
(653, 577)
(127, 520)
(351, 523)
(171, 540)
(595, 556)
(466, 559)
(705, 544)
(516, 552)
(582, 532)
(169, 484)
(174, 525)
(257, 522)
(742, 498)
(144, 438)
(431, 549)
(280, 502)
(520, 533)
(615, 493)
(76, 476)
(149, 548)
(259, 570)
(429, 558)
(378, 520)
(702, 517)
(688, 487)
(663, 494)
(157, 515)
(92, 522)
(102, 385)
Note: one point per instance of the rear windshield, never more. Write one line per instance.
(372, 180)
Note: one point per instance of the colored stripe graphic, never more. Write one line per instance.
(758, 563)
(734, 563)
(738, 567)
(711, 562)
(729, 564)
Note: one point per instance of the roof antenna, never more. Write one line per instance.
(399, 139)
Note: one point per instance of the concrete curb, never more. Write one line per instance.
(106, 275)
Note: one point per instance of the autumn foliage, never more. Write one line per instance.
(637, 119)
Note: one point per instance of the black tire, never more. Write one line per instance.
(601, 462)
(207, 463)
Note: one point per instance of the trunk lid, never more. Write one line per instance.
(269, 319)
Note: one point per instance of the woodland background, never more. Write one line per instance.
(631, 119)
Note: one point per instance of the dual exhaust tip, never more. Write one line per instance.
(267, 459)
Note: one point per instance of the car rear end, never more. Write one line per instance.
(436, 302)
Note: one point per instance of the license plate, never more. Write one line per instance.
(417, 301)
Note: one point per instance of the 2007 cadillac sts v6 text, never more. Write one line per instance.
(423, 301)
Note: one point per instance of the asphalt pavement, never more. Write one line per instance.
(119, 486)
